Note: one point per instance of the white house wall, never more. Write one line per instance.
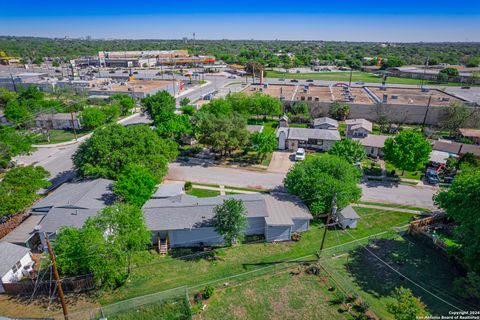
(10, 276)
(255, 226)
(194, 237)
(300, 225)
(277, 233)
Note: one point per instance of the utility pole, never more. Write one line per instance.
(332, 212)
(426, 112)
(350, 81)
(73, 125)
(424, 72)
(13, 82)
(57, 278)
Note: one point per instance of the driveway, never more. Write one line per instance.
(281, 162)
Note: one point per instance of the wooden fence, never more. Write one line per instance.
(49, 287)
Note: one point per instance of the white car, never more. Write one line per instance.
(300, 154)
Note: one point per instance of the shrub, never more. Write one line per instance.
(208, 292)
(198, 296)
(296, 236)
(188, 186)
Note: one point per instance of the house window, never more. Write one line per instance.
(16, 267)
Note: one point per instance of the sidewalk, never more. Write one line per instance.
(386, 208)
(222, 189)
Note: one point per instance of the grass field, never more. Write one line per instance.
(154, 273)
(58, 136)
(390, 205)
(171, 310)
(203, 193)
(356, 77)
(375, 282)
(279, 296)
(416, 175)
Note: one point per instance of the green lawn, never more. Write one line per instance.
(390, 205)
(416, 175)
(356, 77)
(58, 136)
(153, 273)
(375, 282)
(278, 296)
(171, 310)
(371, 168)
(203, 193)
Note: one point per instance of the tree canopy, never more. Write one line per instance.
(104, 246)
(92, 118)
(318, 178)
(135, 184)
(114, 147)
(160, 102)
(19, 186)
(222, 132)
(348, 149)
(406, 306)
(264, 142)
(12, 143)
(230, 220)
(407, 151)
(460, 202)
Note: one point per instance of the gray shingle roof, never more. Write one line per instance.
(305, 134)
(348, 213)
(64, 217)
(88, 194)
(24, 231)
(325, 120)
(359, 123)
(447, 146)
(252, 128)
(9, 255)
(374, 140)
(283, 208)
(168, 190)
(187, 212)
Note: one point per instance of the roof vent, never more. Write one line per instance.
(37, 227)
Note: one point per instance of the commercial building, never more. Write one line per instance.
(134, 88)
(151, 58)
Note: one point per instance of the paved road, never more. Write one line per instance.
(372, 191)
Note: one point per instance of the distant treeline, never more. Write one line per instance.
(268, 53)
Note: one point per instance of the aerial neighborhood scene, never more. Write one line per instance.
(249, 160)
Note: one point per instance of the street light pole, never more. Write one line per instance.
(424, 72)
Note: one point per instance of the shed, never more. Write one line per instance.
(13, 260)
(325, 123)
(347, 217)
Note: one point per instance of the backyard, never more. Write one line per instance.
(357, 76)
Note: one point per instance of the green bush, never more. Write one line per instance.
(188, 186)
(208, 292)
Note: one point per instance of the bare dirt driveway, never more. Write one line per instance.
(281, 162)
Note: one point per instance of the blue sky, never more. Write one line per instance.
(386, 20)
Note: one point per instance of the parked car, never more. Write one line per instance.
(232, 77)
(281, 79)
(294, 80)
(360, 83)
(466, 87)
(309, 80)
(300, 154)
(432, 177)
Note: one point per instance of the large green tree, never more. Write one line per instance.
(135, 184)
(92, 118)
(264, 142)
(317, 179)
(19, 187)
(12, 143)
(407, 151)
(406, 306)
(104, 246)
(348, 149)
(461, 203)
(111, 149)
(125, 102)
(230, 220)
(160, 102)
(174, 126)
(223, 133)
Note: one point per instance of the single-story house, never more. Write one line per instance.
(62, 121)
(448, 146)
(439, 157)
(347, 217)
(373, 144)
(186, 221)
(14, 259)
(254, 128)
(71, 205)
(455, 148)
(317, 139)
(358, 128)
(325, 123)
(473, 134)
